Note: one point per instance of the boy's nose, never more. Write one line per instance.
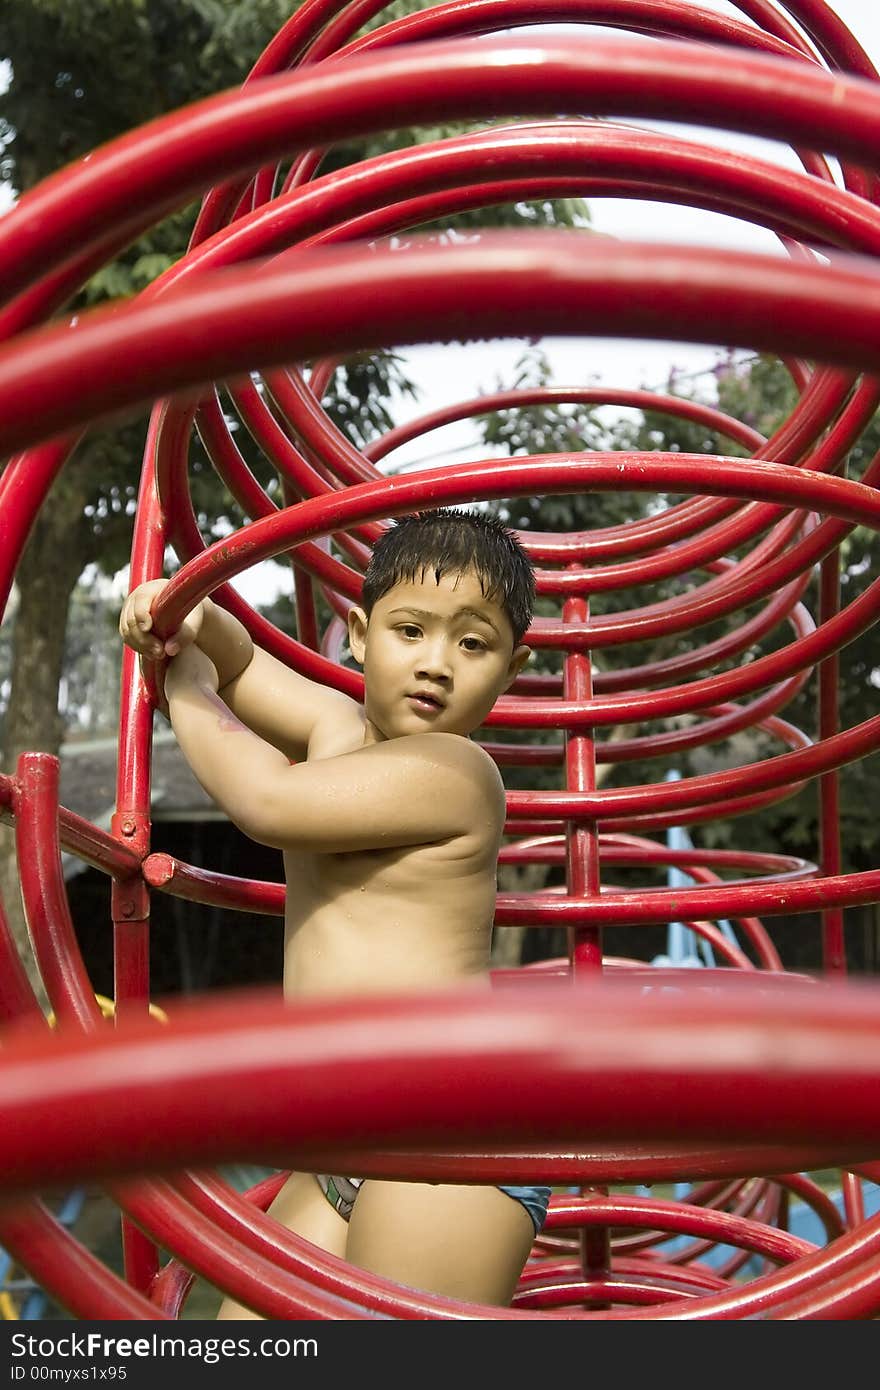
(434, 664)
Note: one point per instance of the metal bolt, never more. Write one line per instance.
(128, 908)
(128, 827)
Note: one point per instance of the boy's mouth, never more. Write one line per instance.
(426, 702)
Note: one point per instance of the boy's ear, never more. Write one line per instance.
(357, 633)
(520, 656)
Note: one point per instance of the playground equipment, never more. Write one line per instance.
(739, 1079)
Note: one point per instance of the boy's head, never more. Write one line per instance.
(447, 597)
(448, 542)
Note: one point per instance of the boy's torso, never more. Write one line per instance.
(407, 917)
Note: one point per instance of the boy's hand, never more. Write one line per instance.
(136, 624)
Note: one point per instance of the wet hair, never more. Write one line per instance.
(444, 541)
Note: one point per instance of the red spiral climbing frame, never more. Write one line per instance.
(735, 1083)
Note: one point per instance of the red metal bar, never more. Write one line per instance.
(130, 900)
(827, 995)
(823, 1037)
(833, 941)
(582, 839)
(44, 897)
(619, 1210)
(17, 998)
(782, 1065)
(58, 1262)
(509, 292)
(583, 878)
(792, 102)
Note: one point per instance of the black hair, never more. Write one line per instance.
(444, 541)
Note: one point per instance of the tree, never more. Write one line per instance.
(79, 76)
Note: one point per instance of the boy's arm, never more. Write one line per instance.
(278, 704)
(288, 709)
(404, 791)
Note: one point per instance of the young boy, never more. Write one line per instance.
(390, 819)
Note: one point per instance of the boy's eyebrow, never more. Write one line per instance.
(459, 613)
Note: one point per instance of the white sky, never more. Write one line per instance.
(448, 374)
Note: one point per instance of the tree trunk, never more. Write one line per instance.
(49, 569)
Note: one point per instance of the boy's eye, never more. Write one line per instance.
(410, 630)
(473, 644)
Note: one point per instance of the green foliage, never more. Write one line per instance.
(86, 73)
(361, 394)
(141, 264)
(758, 391)
(82, 75)
(559, 213)
(554, 429)
(540, 429)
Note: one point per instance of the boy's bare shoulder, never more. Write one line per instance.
(451, 751)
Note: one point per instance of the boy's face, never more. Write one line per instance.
(436, 656)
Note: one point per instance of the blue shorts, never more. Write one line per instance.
(536, 1200)
(342, 1193)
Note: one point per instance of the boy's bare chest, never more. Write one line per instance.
(385, 919)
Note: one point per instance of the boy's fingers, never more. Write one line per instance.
(133, 632)
(136, 621)
(142, 615)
